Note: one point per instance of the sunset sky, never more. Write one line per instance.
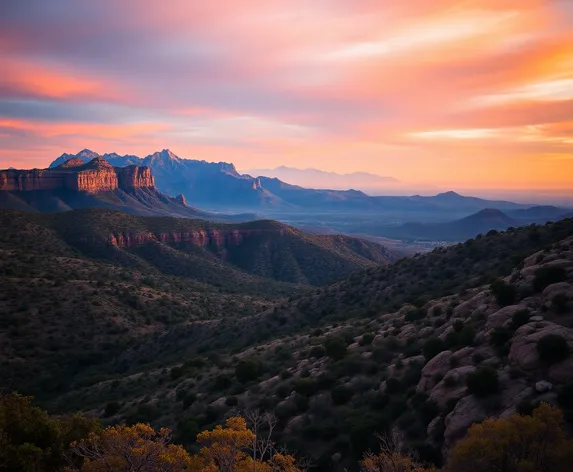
(462, 94)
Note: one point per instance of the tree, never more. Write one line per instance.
(124, 448)
(394, 456)
(515, 444)
(235, 448)
(31, 441)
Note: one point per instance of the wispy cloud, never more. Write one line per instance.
(402, 88)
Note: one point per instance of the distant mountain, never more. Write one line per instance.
(320, 179)
(218, 186)
(540, 214)
(88, 181)
(458, 230)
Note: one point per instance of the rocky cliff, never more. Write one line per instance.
(93, 177)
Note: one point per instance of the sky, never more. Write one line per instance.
(459, 94)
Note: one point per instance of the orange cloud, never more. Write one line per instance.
(29, 79)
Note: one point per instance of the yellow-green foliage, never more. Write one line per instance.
(515, 444)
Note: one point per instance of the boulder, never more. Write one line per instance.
(436, 367)
(436, 428)
(555, 289)
(503, 316)
(543, 386)
(469, 410)
(523, 352)
(467, 308)
(453, 385)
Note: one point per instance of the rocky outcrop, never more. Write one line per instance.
(95, 176)
(468, 410)
(524, 353)
(133, 177)
(434, 371)
(217, 238)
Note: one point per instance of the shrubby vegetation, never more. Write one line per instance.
(33, 441)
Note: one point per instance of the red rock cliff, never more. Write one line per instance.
(134, 177)
(95, 176)
(200, 237)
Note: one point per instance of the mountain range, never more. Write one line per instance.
(80, 183)
(478, 223)
(220, 187)
(319, 179)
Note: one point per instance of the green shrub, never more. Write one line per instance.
(366, 339)
(222, 382)
(249, 369)
(553, 349)
(500, 337)
(112, 408)
(177, 372)
(565, 397)
(301, 402)
(382, 355)
(520, 318)
(335, 348)
(504, 293)
(466, 336)
(415, 315)
(189, 399)
(317, 351)
(393, 385)
(307, 387)
(231, 401)
(340, 394)
(559, 302)
(432, 347)
(483, 382)
(545, 276)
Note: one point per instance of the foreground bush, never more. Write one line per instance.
(30, 440)
(515, 444)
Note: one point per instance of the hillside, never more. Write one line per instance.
(123, 316)
(458, 230)
(95, 282)
(340, 363)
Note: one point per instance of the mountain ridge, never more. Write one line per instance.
(219, 186)
(89, 180)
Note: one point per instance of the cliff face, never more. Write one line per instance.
(202, 238)
(134, 177)
(95, 176)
